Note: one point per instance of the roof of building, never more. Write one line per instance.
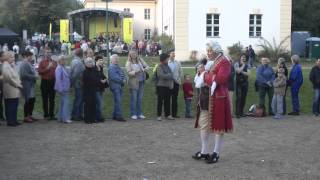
(313, 39)
(88, 10)
(7, 32)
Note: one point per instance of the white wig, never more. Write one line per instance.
(215, 46)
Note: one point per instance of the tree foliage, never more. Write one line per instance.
(35, 15)
(306, 16)
(236, 50)
(273, 50)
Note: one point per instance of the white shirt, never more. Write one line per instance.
(16, 49)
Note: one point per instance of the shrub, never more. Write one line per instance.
(166, 42)
(235, 50)
(273, 50)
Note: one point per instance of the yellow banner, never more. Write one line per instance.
(64, 30)
(50, 31)
(127, 30)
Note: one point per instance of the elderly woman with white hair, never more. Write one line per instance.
(217, 118)
(295, 82)
(11, 88)
(116, 82)
(91, 81)
(62, 87)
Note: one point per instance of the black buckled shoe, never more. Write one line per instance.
(213, 159)
(199, 156)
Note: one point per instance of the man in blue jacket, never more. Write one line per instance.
(295, 82)
(265, 78)
(116, 82)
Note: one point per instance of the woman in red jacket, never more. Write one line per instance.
(217, 119)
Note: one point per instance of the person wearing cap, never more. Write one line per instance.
(11, 88)
(314, 77)
(28, 78)
(217, 119)
(177, 73)
(76, 72)
(117, 80)
(295, 82)
(164, 85)
(282, 64)
(279, 85)
(91, 82)
(62, 86)
(46, 70)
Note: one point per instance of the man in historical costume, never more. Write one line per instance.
(214, 111)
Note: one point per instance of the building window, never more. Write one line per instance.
(126, 9)
(147, 34)
(146, 13)
(255, 25)
(213, 28)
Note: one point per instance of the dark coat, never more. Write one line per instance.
(28, 79)
(314, 77)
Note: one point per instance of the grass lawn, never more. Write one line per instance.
(149, 99)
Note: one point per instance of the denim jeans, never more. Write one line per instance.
(64, 113)
(117, 98)
(316, 102)
(136, 100)
(277, 104)
(99, 105)
(295, 99)
(77, 110)
(11, 110)
(188, 103)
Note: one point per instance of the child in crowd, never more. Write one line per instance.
(279, 85)
(188, 95)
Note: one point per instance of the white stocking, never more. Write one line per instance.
(218, 143)
(204, 142)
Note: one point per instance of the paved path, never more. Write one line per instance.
(258, 149)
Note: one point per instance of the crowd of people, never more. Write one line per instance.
(216, 78)
(86, 76)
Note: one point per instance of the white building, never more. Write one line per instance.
(144, 12)
(193, 22)
(230, 21)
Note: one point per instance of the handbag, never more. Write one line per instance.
(147, 75)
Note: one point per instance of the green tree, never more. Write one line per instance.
(35, 15)
(306, 16)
